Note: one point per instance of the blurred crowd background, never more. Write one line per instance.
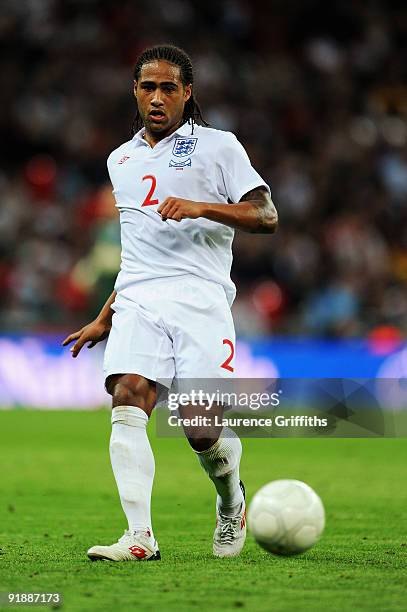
(316, 92)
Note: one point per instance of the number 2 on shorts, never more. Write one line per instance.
(226, 364)
(148, 201)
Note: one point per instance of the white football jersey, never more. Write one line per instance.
(206, 166)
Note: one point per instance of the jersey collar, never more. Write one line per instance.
(183, 130)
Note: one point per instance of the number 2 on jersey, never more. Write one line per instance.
(148, 201)
(226, 364)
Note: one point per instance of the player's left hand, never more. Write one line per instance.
(178, 209)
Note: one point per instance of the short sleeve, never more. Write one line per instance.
(236, 175)
(109, 165)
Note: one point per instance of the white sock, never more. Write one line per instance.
(133, 464)
(221, 462)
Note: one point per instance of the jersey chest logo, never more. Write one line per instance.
(184, 147)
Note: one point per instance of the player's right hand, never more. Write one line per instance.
(93, 332)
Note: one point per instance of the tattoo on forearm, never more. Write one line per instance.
(262, 197)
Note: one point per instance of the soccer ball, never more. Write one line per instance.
(286, 517)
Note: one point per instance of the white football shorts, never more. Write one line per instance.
(176, 327)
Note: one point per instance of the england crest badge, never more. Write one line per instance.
(184, 146)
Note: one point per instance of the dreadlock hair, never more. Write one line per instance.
(178, 57)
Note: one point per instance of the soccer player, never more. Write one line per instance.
(181, 188)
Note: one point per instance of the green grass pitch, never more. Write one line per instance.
(58, 497)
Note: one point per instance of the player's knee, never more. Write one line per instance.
(131, 390)
(199, 443)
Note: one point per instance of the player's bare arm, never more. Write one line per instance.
(94, 332)
(254, 213)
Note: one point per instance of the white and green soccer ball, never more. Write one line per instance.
(286, 517)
